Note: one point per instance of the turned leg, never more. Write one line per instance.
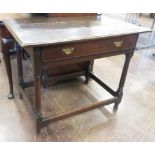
(119, 91)
(20, 68)
(37, 86)
(5, 50)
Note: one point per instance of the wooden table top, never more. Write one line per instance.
(46, 31)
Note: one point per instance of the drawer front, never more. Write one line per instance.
(73, 50)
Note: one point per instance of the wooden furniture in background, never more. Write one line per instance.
(6, 45)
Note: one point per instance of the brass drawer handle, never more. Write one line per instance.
(68, 50)
(118, 43)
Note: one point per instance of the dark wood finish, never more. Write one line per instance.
(71, 14)
(127, 49)
(82, 41)
(37, 78)
(119, 91)
(88, 69)
(47, 65)
(78, 29)
(37, 85)
(101, 83)
(78, 111)
(6, 44)
(20, 67)
(5, 50)
(19, 64)
(55, 53)
(63, 14)
(4, 33)
(67, 69)
(75, 68)
(54, 79)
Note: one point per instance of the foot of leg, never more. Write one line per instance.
(38, 123)
(116, 104)
(86, 79)
(115, 108)
(21, 96)
(10, 96)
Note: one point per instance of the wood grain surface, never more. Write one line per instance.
(46, 31)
